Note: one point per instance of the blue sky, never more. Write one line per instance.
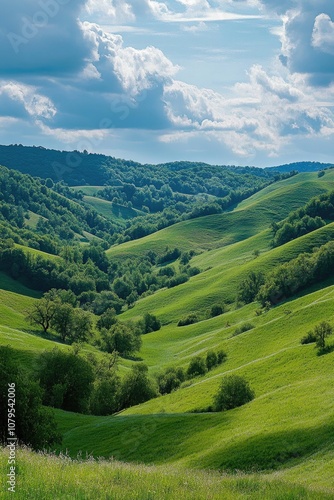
(244, 82)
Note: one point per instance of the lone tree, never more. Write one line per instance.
(234, 391)
(42, 313)
(321, 332)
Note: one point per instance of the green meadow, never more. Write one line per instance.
(279, 446)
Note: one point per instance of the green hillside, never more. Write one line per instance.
(289, 425)
(278, 446)
(110, 210)
(272, 203)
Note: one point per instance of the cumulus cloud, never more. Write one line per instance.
(41, 37)
(75, 80)
(26, 99)
(181, 11)
(92, 81)
(323, 34)
(307, 37)
(264, 114)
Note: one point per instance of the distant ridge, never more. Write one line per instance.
(302, 166)
(81, 167)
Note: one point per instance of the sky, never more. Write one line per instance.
(237, 82)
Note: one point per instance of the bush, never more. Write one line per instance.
(243, 328)
(211, 360)
(309, 338)
(321, 332)
(151, 323)
(105, 396)
(107, 319)
(221, 357)
(170, 380)
(234, 391)
(169, 255)
(177, 280)
(197, 366)
(121, 338)
(137, 387)
(216, 310)
(188, 320)
(67, 380)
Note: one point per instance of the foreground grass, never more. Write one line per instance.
(41, 476)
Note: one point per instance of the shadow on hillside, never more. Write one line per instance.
(272, 450)
(43, 335)
(133, 358)
(10, 285)
(311, 289)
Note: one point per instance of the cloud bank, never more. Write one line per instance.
(69, 78)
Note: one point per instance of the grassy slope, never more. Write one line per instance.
(289, 426)
(117, 213)
(28, 341)
(227, 267)
(251, 216)
(37, 253)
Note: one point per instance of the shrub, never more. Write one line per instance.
(309, 338)
(243, 328)
(197, 366)
(177, 280)
(137, 387)
(35, 425)
(250, 286)
(170, 380)
(211, 360)
(121, 338)
(151, 323)
(107, 319)
(188, 320)
(216, 310)
(234, 391)
(67, 380)
(221, 357)
(321, 332)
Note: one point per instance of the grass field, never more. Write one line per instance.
(102, 480)
(279, 446)
(289, 421)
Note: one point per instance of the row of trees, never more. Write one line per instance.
(288, 278)
(313, 215)
(97, 283)
(172, 378)
(57, 311)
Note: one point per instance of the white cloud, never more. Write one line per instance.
(136, 69)
(307, 37)
(35, 104)
(264, 115)
(323, 34)
(74, 136)
(114, 10)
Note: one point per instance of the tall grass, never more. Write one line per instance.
(43, 477)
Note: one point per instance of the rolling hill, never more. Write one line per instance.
(281, 443)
